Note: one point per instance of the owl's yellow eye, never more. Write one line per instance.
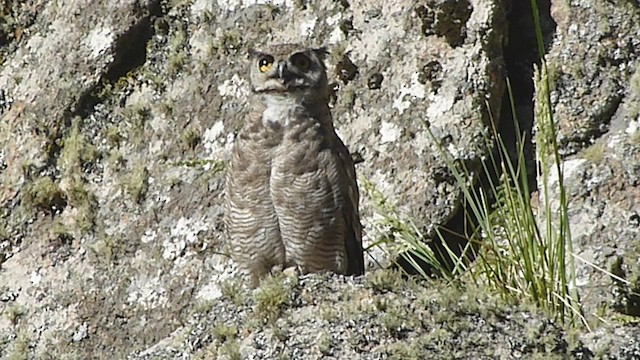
(301, 61)
(265, 63)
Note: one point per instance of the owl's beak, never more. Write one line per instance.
(282, 67)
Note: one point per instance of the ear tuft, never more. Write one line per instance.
(321, 52)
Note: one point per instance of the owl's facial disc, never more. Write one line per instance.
(296, 73)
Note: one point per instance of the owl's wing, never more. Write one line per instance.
(353, 231)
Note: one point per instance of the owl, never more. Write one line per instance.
(291, 197)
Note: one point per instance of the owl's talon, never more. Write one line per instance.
(276, 269)
(293, 271)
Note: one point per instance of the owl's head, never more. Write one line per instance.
(288, 68)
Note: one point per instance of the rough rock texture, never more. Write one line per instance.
(379, 316)
(591, 60)
(116, 119)
(594, 65)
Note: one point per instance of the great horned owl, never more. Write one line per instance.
(291, 191)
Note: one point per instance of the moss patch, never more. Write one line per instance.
(77, 152)
(137, 183)
(44, 194)
(272, 298)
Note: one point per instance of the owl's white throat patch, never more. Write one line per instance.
(279, 109)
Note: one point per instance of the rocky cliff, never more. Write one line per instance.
(116, 120)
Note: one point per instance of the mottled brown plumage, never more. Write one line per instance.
(291, 193)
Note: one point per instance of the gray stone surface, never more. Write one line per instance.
(594, 66)
(591, 60)
(379, 316)
(116, 119)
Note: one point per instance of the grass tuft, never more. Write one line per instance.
(522, 246)
(402, 238)
(272, 298)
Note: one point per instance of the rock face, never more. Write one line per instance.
(378, 317)
(116, 120)
(594, 62)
